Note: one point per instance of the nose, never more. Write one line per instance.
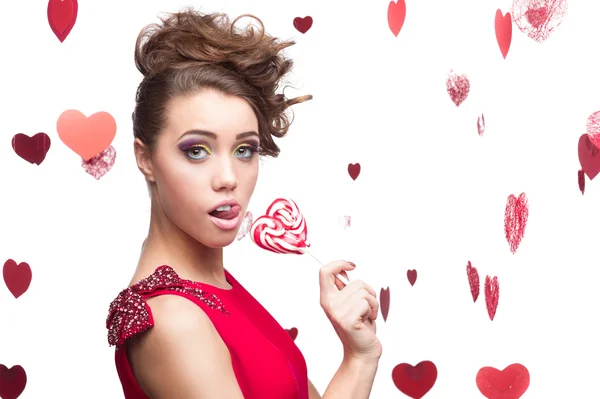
(225, 178)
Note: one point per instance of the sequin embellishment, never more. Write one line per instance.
(129, 314)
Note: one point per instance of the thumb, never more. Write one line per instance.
(327, 279)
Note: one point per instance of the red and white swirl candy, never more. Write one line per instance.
(282, 229)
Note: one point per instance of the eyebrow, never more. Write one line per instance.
(214, 136)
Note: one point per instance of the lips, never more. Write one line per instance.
(230, 210)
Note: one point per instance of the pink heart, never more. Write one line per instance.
(458, 87)
(99, 165)
(515, 220)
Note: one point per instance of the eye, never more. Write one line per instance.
(245, 151)
(197, 153)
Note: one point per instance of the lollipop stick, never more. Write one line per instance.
(338, 276)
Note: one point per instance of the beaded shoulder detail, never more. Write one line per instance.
(129, 314)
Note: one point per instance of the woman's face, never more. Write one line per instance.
(205, 165)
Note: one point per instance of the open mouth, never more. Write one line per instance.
(226, 212)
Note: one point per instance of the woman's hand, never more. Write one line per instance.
(352, 311)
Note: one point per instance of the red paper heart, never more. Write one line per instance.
(412, 276)
(303, 24)
(293, 332)
(588, 156)
(458, 87)
(503, 31)
(12, 381)
(492, 295)
(473, 276)
(99, 165)
(384, 302)
(354, 170)
(415, 381)
(396, 15)
(32, 149)
(538, 18)
(62, 15)
(510, 383)
(515, 220)
(17, 277)
(581, 181)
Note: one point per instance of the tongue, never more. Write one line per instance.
(227, 215)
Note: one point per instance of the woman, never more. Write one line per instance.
(186, 328)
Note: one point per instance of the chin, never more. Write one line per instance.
(219, 240)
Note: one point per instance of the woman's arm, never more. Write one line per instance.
(353, 379)
(312, 391)
(182, 356)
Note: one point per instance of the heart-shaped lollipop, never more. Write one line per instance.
(283, 230)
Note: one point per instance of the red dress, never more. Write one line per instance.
(266, 361)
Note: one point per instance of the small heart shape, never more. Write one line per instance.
(589, 157)
(581, 181)
(473, 276)
(412, 276)
(415, 381)
(480, 125)
(492, 295)
(293, 332)
(86, 136)
(384, 302)
(99, 165)
(396, 15)
(510, 383)
(458, 87)
(354, 170)
(515, 220)
(282, 229)
(538, 18)
(503, 26)
(62, 15)
(32, 149)
(303, 24)
(17, 277)
(12, 381)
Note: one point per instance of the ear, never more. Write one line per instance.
(143, 158)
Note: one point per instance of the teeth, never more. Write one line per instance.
(224, 208)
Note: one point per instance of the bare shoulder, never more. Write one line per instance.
(182, 356)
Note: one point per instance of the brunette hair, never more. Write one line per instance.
(189, 51)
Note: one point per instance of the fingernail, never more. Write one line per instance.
(353, 265)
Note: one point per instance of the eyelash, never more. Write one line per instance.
(252, 147)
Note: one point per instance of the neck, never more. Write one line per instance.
(167, 244)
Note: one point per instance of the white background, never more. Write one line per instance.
(430, 197)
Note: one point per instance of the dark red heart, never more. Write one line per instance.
(589, 157)
(354, 170)
(32, 149)
(17, 277)
(412, 276)
(293, 332)
(473, 276)
(384, 302)
(581, 181)
(492, 295)
(303, 24)
(12, 381)
(510, 383)
(415, 381)
(62, 15)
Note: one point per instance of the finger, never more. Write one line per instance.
(327, 273)
(340, 286)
